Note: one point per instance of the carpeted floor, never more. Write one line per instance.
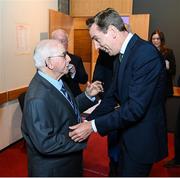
(13, 161)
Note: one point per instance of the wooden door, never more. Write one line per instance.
(60, 20)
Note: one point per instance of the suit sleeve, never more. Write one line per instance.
(81, 76)
(83, 102)
(98, 71)
(42, 133)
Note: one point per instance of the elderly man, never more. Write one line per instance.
(138, 86)
(49, 110)
(77, 73)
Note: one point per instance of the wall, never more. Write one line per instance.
(164, 14)
(16, 66)
(1, 46)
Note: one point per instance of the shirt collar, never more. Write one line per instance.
(126, 41)
(56, 83)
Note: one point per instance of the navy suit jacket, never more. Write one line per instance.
(47, 116)
(139, 86)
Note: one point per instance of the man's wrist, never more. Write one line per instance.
(92, 98)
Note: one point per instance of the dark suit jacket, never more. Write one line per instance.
(171, 72)
(45, 126)
(139, 86)
(103, 70)
(81, 77)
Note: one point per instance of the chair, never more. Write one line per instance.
(21, 100)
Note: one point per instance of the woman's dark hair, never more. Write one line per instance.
(163, 48)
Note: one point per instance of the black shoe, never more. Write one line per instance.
(113, 169)
(172, 164)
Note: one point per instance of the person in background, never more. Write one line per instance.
(49, 110)
(77, 73)
(104, 72)
(138, 86)
(158, 39)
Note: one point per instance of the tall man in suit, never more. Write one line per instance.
(139, 86)
(77, 73)
(49, 110)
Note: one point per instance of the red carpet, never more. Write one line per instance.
(13, 160)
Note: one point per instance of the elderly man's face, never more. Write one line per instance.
(60, 60)
(103, 41)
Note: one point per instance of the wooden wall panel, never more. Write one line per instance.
(14, 94)
(95, 54)
(11, 94)
(82, 44)
(79, 22)
(3, 97)
(140, 24)
(176, 91)
(59, 20)
(91, 7)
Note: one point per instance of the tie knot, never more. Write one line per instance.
(120, 57)
(63, 90)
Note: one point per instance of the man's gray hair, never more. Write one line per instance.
(43, 50)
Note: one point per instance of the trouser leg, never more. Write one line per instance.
(130, 168)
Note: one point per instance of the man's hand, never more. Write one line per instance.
(94, 88)
(80, 131)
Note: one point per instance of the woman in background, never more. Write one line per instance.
(158, 39)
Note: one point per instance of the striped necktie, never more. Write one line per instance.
(68, 97)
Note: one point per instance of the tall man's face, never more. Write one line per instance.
(104, 41)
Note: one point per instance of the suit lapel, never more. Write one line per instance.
(126, 59)
(54, 91)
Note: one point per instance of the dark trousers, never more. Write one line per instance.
(113, 152)
(177, 139)
(113, 168)
(130, 168)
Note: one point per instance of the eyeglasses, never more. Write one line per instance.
(62, 56)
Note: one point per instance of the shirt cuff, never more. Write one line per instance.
(93, 125)
(92, 98)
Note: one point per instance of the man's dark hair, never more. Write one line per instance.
(106, 18)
